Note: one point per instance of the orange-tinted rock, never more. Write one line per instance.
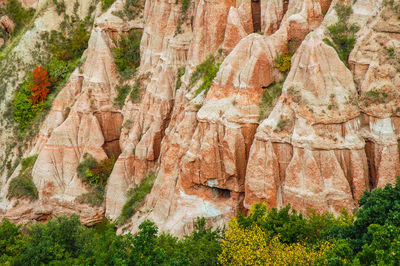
(309, 152)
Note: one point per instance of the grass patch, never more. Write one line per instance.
(342, 34)
(22, 186)
(282, 124)
(206, 72)
(184, 15)
(136, 196)
(127, 53)
(181, 71)
(375, 96)
(95, 174)
(106, 4)
(135, 92)
(131, 10)
(268, 99)
(122, 93)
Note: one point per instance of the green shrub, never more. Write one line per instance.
(106, 4)
(23, 110)
(131, 10)
(342, 33)
(375, 96)
(59, 70)
(268, 99)
(179, 74)
(122, 93)
(10, 241)
(60, 6)
(206, 71)
(93, 198)
(96, 175)
(185, 5)
(136, 196)
(22, 186)
(59, 239)
(282, 124)
(69, 45)
(127, 53)
(135, 93)
(184, 8)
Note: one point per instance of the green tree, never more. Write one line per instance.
(144, 249)
(60, 239)
(11, 241)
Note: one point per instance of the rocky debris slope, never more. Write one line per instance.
(332, 133)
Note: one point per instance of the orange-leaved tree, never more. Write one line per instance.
(41, 84)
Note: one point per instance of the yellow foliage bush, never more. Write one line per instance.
(252, 246)
(283, 62)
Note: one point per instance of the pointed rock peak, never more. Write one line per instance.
(320, 84)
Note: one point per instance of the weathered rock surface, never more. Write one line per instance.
(309, 152)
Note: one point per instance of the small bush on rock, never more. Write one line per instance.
(22, 186)
(136, 196)
(269, 98)
(206, 71)
(127, 53)
(342, 34)
(95, 174)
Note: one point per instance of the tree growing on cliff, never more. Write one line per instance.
(41, 84)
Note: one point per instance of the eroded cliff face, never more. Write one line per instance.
(333, 132)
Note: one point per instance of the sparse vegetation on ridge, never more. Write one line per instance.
(106, 4)
(65, 49)
(181, 71)
(136, 196)
(127, 53)
(206, 72)
(184, 15)
(268, 99)
(22, 186)
(131, 9)
(342, 34)
(95, 174)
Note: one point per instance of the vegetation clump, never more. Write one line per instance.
(375, 96)
(95, 174)
(263, 237)
(123, 91)
(136, 195)
(22, 186)
(135, 92)
(282, 124)
(20, 16)
(40, 86)
(184, 15)
(206, 72)
(269, 98)
(181, 71)
(127, 53)
(283, 62)
(342, 34)
(131, 9)
(106, 4)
